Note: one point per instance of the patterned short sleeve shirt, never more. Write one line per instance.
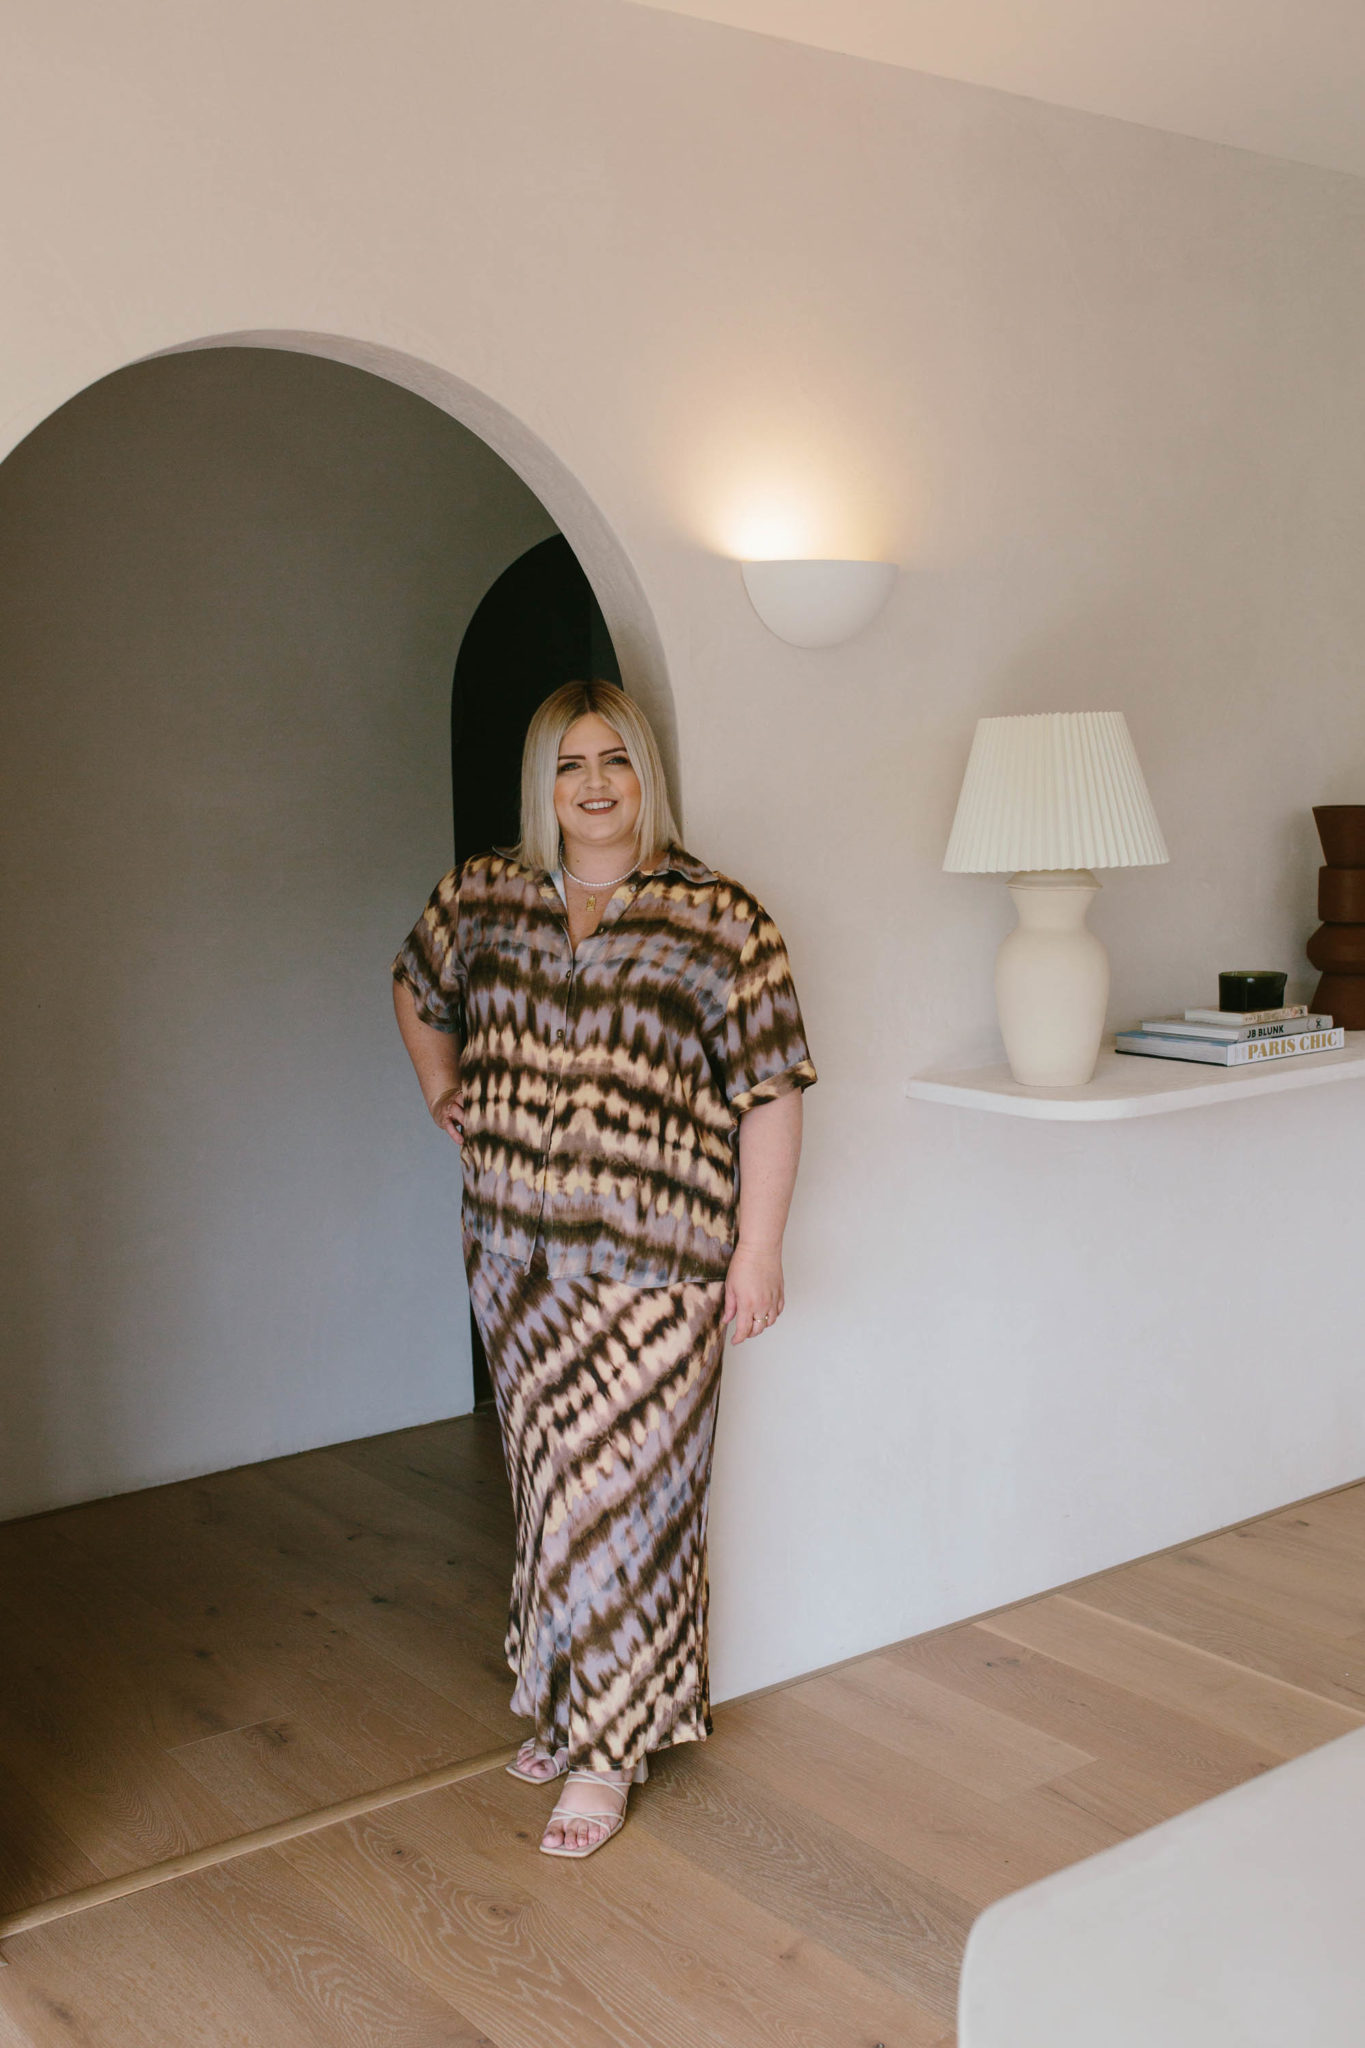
(603, 1088)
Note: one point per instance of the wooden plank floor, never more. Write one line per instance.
(347, 1605)
(805, 1878)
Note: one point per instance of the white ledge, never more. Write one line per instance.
(1129, 1084)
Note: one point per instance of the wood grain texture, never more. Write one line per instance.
(1121, 1730)
(899, 1930)
(335, 1983)
(1176, 1597)
(1284, 1718)
(1314, 1587)
(236, 1848)
(989, 1752)
(143, 1626)
(36, 1854)
(469, 1934)
(12, 2034)
(239, 1957)
(201, 1661)
(255, 1772)
(728, 1968)
(939, 1828)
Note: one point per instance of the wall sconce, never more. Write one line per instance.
(818, 604)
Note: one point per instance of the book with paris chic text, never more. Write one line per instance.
(1215, 1053)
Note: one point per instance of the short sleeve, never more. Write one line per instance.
(430, 962)
(766, 1053)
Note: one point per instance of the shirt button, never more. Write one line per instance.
(559, 1034)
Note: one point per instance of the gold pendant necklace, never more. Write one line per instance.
(614, 883)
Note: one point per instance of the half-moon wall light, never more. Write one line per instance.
(818, 604)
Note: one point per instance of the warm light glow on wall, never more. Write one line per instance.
(776, 496)
(775, 528)
(774, 477)
(782, 520)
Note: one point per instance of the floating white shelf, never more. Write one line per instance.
(1126, 1084)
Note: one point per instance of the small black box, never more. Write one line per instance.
(1251, 989)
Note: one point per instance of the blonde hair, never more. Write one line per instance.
(655, 828)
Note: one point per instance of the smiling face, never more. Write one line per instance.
(597, 793)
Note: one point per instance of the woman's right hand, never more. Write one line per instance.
(447, 1111)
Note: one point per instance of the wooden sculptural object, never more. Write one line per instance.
(1337, 947)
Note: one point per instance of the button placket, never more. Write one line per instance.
(548, 1140)
(562, 1048)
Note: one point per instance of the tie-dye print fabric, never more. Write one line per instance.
(603, 1088)
(607, 1397)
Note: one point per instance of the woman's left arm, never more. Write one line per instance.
(769, 1148)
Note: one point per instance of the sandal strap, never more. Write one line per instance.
(617, 1814)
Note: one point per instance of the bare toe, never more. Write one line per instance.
(534, 1763)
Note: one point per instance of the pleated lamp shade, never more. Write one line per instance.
(1053, 789)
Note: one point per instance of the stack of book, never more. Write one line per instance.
(1234, 1038)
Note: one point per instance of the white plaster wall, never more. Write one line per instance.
(1100, 390)
(232, 587)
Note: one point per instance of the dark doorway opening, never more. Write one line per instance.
(539, 626)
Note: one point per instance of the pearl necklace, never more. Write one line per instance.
(595, 886)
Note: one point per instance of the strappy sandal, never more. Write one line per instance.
(611, 1822)
(559, 1759)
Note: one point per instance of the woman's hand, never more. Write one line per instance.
(435, 1057)
(769, 1146)
(753, 1292)
(448, 1111)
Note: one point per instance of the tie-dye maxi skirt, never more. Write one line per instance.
(606, 1397)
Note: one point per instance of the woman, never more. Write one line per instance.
(609, 1030)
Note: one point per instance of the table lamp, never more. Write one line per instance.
(1046, 798)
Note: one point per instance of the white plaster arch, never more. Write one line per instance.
(102, 1398)
(629, 617)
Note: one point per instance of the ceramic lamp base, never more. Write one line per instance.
(1052, 981)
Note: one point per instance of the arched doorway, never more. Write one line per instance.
(615, 583)
(227, 1219)
(202, 1152)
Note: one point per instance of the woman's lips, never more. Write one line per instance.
(599, 804)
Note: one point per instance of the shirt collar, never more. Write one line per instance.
(675, 860)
